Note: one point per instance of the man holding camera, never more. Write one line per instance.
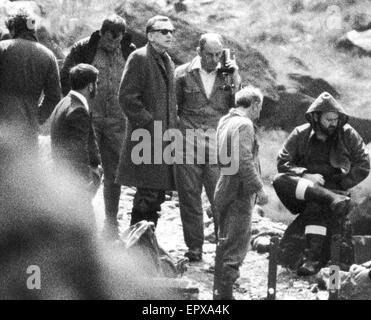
(203, 97)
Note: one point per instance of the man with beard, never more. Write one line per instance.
(318, 163)
(73, 142)
(106, 49)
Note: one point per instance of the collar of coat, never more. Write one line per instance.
(31, 36)
(196, 64)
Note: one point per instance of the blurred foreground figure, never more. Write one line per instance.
(106, 49)
(73, 142)
(45, 226)
(27, 68)
(236, 192)
(318, 163)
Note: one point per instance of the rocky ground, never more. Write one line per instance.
(252, 284)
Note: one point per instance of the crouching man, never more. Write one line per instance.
(238, 188)
(318, 163)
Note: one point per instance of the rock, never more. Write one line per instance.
(310, 86)
(357, 42)
(261, 244)
(289, 111)
(255, 68)
(348, 289)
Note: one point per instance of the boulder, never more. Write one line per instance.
(255, 68)
(358, 42)
(348, 289)
(294, 100)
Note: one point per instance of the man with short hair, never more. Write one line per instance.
(318, 163)
(73, 143)
(202, 100)
(27, 69)
(238, 189)
(147, 97)
(107, 50)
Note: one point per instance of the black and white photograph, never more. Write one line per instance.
(185, 153)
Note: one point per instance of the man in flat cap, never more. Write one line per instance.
(317, 165)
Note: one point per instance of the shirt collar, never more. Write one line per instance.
(196, 65)
(235, 111)
(79, 96)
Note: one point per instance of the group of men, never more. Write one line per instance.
(115, 93)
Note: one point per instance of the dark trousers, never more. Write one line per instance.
(190, 178)
(110, 134)
(316, 213)
(234, 220)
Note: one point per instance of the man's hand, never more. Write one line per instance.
(360, 274)
(262, 197)
(232, 64)
(316, 178)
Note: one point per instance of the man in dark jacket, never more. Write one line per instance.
(27, 69)
(147, 96)
(73, 142)
(107, 50)
(317, 158)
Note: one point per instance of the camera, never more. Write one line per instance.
(226, 56)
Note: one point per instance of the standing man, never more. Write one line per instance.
(73, 143)
(236, 192)
(107, 50)
(147, 97)
(202, 101)
(27, 69)
(317, 158)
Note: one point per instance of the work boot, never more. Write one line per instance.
(334, 200)
(312, 264)
(194, 255)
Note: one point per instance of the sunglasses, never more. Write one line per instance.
(163, 31)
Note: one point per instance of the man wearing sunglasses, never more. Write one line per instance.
(147, 97)
(106, 49)
(202, 100)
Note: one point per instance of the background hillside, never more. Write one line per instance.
(272, 39)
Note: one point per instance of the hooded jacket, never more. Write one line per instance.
(347, 150)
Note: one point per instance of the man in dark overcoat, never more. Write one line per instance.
(27, 69)
(147, 97)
